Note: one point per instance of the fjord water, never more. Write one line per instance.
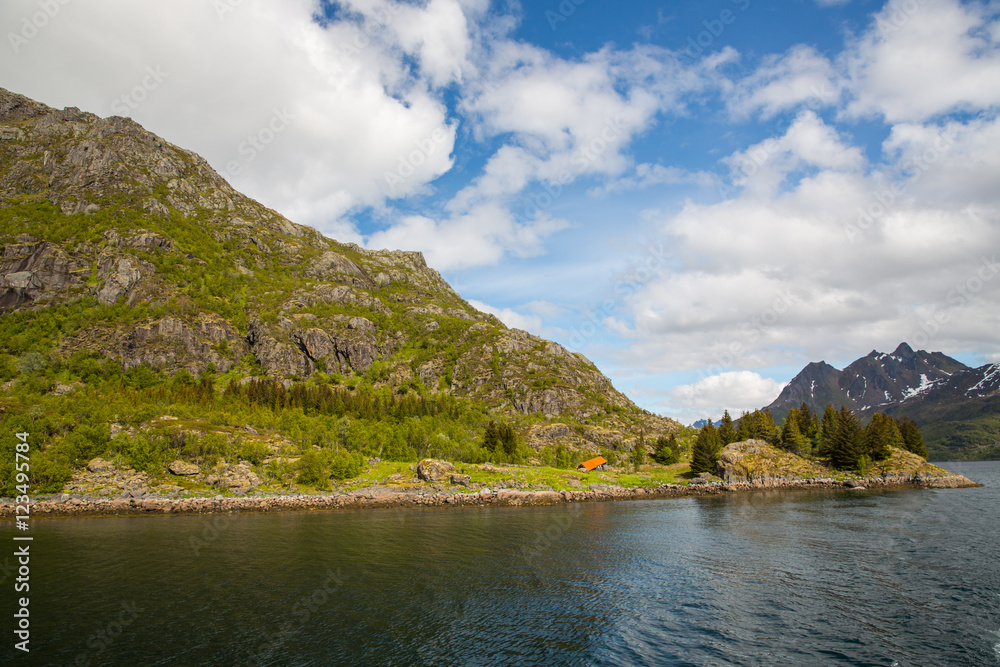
(904, 577)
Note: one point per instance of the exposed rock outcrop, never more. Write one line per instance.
(38, 270)
(209, 276)
(433, 470)
(183, 468)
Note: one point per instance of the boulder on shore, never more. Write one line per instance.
(434, 470)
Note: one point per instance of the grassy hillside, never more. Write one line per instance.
(136, 284)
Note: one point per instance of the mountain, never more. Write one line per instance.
(960, 416)
(957, 407)
(118, 245)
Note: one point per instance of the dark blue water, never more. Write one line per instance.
(826, 578)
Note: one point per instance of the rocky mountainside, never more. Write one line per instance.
(957, 407)
(870, 384)
(959, 416)
(175, 270)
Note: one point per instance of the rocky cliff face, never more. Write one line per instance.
(194, 275)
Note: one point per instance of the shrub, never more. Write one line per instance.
(311, 469)
(346, 465)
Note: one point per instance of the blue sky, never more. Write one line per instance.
(702, 197)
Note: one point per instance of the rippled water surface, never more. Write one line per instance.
(796, 577)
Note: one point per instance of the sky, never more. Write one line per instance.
(701, 197)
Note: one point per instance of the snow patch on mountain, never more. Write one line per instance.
(925, 384)
(989, 384)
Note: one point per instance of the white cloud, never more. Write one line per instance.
(802, 76)
(356, 113)
(647, 175)
(439, 36)
(921, 59)
(735, 391)
(479, 237)
(514, 319)
(820, 255)
(510, 317)
(807, 143)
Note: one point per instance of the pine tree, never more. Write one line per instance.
(847, 446)
(639, 451)
(491, 438)
(759, 425)
(827, 431)
(913, 441)
(743, 432)
(809, 423)
(727, 431)
(666, 451)
(881, 434)
(792, 438)
(705, 452)
(508, 440)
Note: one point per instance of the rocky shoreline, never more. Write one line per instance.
(387, 497)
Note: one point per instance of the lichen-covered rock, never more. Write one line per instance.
(98, 465)
(183, 468)
(756, 462)
(434, 470)
(332, 265)
(120, 275)
(239, 476)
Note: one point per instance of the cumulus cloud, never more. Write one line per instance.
(921, 59)
(834, 263)
(351, 111)
(478, 237)
(710, 396)
(802, 76)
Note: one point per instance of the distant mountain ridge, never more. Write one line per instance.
(869, 384)
(957, 407)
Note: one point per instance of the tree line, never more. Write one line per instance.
(838, 436)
